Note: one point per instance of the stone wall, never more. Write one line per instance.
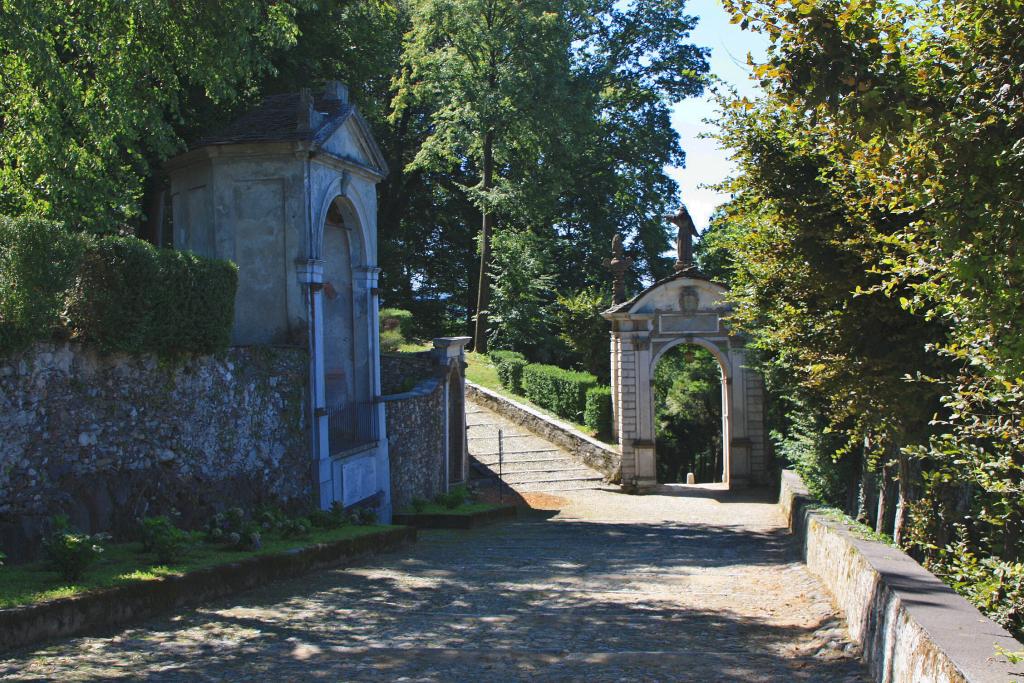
(107, 439)
(911, 626)
(416, 442)
(400, 372)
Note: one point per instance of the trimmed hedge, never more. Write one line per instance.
(38, 264)
(404, 318)
(509, 365)
(597, 413)
(563, 392)
(119, 293)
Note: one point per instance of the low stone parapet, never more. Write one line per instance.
(602, 457)
(911, 626)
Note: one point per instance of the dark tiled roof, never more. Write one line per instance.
(275, 120)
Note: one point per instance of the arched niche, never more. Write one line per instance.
(685, 308)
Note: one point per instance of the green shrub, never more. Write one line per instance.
(294, 528)
(509, 366)
(397, 319)
(418, 505)
(133, 297)
(455, 498)
(166, 541)
(563, 392)
(70, 552)
(597, 413)
(38, 264)
(390, 341)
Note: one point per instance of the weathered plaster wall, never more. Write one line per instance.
(416, 442)
(109, 438)
(912, 627)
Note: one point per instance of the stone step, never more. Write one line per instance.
(518, 455)
(529, 464)
(549, 475)
(479, 445)
(548, 486)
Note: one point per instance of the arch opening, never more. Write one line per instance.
(348, 380)
(689, 394)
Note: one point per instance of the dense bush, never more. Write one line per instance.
(397, 319)
(120, 293)
(597, 412)
(38, 263)
(509, 365)
(133, 297)
(166, 541)
(71, 552)
(391, 341)
(563, 392)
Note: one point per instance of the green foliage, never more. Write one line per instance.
(38, 264)
(397, 319)
(597, 413)
(584, 332)
(874, 222)
(294, 528)
(168, 543)
(455, 498)
(688, 415)
(120, 293)
(522, 294)
(234, 529)
(391, 341)
(563, 392)
(509, 365)
(419, 504)
(71, 553)
(335, 518)
(133, 297)
(97, 96)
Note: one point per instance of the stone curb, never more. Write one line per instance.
(109, 607)
(594, 454)
(440, 520)
(911, 626)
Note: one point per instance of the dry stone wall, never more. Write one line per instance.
(416, 442)
(107, 439)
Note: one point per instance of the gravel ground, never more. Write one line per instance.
(687, 584)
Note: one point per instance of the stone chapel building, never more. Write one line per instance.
(288, 193)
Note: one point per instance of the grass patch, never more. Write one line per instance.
(414, 347)
(466, 509)
(124, 563)
(481, 372)
(860, 530)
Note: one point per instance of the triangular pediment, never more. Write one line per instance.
(351, 140)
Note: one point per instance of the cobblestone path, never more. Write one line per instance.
(690, 584)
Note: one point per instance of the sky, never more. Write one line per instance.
(706, 163)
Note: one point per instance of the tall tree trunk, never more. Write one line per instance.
(907, 489)
(868, 504)
(886, 496)
(484, 286)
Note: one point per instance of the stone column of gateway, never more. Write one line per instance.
(288, 193)
(684, 308)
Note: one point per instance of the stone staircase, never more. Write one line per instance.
(529, 463)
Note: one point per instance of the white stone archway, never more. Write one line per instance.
(685, 308)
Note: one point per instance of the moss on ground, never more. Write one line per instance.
(437, 509)
(125, 563)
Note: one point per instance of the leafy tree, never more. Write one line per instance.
(95, 94)
(491, 72)
(915, 111)
(584, 332)
(523, 278)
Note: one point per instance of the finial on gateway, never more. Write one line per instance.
(684, 242)
(619, 263)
